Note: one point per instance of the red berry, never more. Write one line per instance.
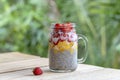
(37, 71)
(56, 35)
(66, 29)
(57, 25)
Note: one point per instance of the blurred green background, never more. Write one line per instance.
(25, 24)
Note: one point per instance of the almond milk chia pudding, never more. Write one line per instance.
(63, 48)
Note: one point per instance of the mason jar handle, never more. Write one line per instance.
(85, 40)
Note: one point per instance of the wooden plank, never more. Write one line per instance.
(15, 56)
(27, 74)
(17, 61)
(24, 67)
(82, 74)
(103, 74)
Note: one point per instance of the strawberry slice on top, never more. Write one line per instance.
(57, 25)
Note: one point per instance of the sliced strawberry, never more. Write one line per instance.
(55, 41)
(56, 34)
(63, 37)
(55, 38)
(72, 37)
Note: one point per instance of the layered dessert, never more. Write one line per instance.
(63, 47)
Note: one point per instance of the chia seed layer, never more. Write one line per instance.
(62, 60)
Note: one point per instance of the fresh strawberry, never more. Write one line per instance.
(37, 71)
(57, 25)
(67, 27)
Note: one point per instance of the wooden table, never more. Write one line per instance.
(19, 66)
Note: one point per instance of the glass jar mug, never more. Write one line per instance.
(63, 48)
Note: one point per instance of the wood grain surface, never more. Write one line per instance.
(83, 72)
(17, 61)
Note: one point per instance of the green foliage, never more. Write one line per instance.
(24, 26)
(103, 22)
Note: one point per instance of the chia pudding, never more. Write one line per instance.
(63, 61)
(63, 48)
